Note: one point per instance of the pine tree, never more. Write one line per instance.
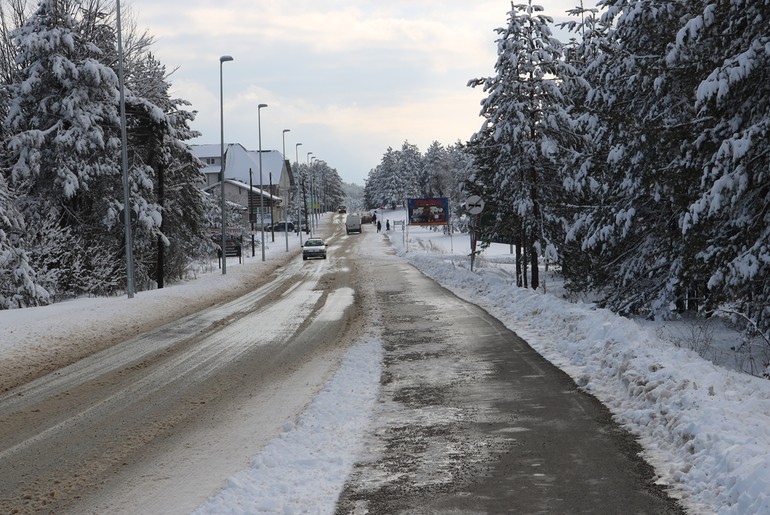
(583, 164)
(20, 285)
(389, 185)
(434, 179)
(158, 126)
(524, 123)
(639, 187)
(62, 126)
(409, 167)
(725, 45)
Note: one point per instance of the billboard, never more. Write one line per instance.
(428, 211)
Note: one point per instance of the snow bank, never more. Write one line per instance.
(304, 470)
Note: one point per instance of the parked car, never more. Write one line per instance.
(303, 225)
(280, 227)
(314, 248)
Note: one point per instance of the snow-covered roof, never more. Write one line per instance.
(207, 150)
(239, 160)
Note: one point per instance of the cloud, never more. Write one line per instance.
(370, 73)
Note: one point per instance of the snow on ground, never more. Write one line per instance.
(705, 428)
(304, 469)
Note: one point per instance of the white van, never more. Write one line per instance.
(353, 223)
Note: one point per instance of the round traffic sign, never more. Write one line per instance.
(474, 205)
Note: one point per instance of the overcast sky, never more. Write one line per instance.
(348, 77)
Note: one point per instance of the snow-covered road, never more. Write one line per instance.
(138, 418)
(702, 426)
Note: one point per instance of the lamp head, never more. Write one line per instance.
(260, 106)
(225, 58)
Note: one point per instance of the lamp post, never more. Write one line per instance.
(261, 191)
(299, 196)
(310, 221)
(272, 222)
(286, 209)
(324, 205)
(124, 165)
(222, 60)
(251, 209)
(284, 142)
(316, 193)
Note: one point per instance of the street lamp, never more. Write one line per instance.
(252, 215)
(284, 142)
(222, 60)
(316, 194)
(299, 196)
(286, 209)
(124, 165)
(311, 195)
(261, 191)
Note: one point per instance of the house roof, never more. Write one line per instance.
(238, 162)
(207, 150)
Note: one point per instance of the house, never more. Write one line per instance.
(270, 196)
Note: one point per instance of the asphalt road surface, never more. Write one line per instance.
(470, 419)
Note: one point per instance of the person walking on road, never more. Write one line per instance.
(387, 225)
(379, 226)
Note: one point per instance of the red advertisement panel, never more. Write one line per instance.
(428, 211)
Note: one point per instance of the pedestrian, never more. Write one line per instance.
(379, 226)
(387, 225)
(374, 218)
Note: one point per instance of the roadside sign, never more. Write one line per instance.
(474, 205)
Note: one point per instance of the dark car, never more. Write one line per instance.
(314, 248)
(280, 227)
(303, 225)
(342, 209)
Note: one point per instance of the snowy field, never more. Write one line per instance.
(704, 427)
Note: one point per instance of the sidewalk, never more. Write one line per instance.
(472, 420)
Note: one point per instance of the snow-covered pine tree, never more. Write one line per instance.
(334, 189)
(370, 202)
(303, 177)
(388, 185)
(583, 162)
(63, 143)
(409, 167)
(372, 188)
(645, 114)
(525, 121)
(158, 127)
(434, 179)
(726, 45)
(20, 285)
